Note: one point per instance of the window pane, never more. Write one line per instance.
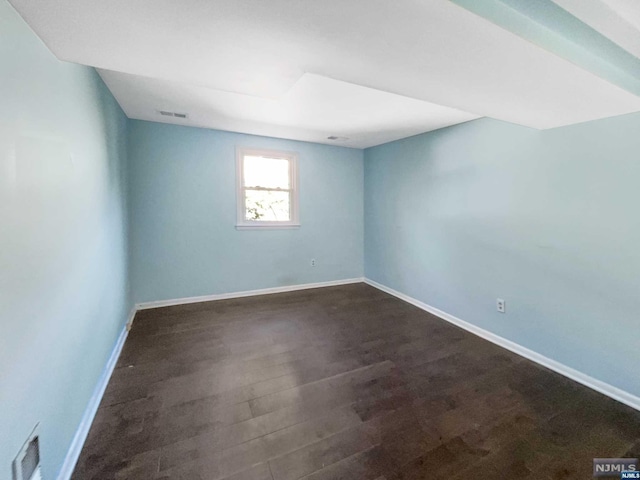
(267, 206)
(266, 172)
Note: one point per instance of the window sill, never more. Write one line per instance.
(288, 226)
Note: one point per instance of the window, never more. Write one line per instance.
(267, 189)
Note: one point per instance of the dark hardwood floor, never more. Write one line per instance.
(339, 383)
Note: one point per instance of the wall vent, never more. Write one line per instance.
(341, 139)
(26, 465)
(166, 113)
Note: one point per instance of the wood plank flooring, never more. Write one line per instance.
(339, 383)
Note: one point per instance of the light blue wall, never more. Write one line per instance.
(183, 198)
(63, 255)
(547, 220)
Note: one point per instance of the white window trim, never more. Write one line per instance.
(241, 222)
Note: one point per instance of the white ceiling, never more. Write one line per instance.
(298, 68)
(619, 20)
(313, 109)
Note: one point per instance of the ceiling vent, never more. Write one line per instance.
(166, 113)
(337, 139)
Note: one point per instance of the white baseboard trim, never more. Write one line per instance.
(616, 393)
(80, 437)
(247, 293)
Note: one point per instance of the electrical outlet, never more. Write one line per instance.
(501, 305)
(313, 262)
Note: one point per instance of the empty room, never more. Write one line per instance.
(319, 240)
